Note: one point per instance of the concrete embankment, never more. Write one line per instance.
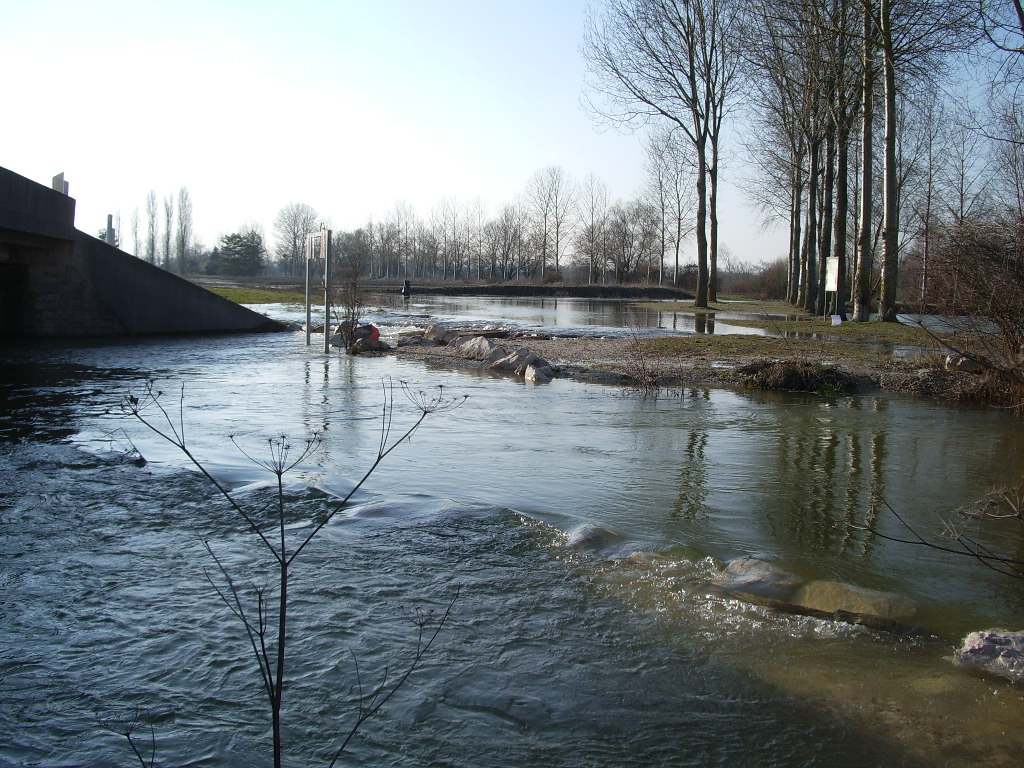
(56, 281)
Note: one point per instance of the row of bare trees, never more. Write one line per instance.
(556, 229)
(817, 72)
(170, 240)
(835, 100)
(860, 141)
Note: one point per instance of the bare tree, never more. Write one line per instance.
(151, 227)
(670, 60)
(670, 180)
(632, 238)
(1009, 159)
(505, 236)
(183, 233)
(543, 192)
(291, 225)
(404, 220)
(913, 38)
(168, 230)
(135, 230)
(592, 236)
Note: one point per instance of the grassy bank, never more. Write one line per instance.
(737, 347)
(783, 318)
(263, 295)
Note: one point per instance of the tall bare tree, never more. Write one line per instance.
(151, 227)
(591, 237)
(183, 232)
(670, 172)
(914, 36)
(135, 230)
(291, 225)
(670, 60)
(550, 193)
(168, 230)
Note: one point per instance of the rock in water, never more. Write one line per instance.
(479, 348)
(757, 578)
(589, 536)
(519, 360)
(832, 596)
(998, 652)
(439, 334)
(537, 375)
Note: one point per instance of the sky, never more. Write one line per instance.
(348, 106)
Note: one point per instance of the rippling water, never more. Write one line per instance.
(553, 656)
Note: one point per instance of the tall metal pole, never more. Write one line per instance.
(325, 249)
(309, 258)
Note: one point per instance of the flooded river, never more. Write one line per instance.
(612, 654)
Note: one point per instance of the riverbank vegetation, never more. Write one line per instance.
(264, 295)
(786, 320)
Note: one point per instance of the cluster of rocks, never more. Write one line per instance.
(364, 338)
(991, 652)
(480, 348)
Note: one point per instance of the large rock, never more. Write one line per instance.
(439, 334)
(998, 652)
(536, 374)
(758, 581)
(414, 340)
(517, 361)
(751, 576)
(833, 596)
(479, 348)
(360, 346)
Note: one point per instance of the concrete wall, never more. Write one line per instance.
(31, 208)
(57, 281)
(145, 299)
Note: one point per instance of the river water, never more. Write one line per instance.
(608, 655)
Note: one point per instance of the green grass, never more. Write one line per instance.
(795, 321)
(263, 295)
(725, 347)
(739, 305)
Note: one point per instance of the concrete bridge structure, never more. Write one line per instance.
(57, 281)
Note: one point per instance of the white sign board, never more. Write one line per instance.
(832, 273)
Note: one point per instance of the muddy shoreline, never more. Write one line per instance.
(623, 362)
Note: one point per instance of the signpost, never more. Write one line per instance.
(323, 237)
(832, 281)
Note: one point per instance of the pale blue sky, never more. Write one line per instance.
(347, 106)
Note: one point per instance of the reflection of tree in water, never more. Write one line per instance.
(704, 322)
(828, 480)
(691, 501)
(693, 479)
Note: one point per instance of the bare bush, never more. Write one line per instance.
(978, 283)
(263, 615)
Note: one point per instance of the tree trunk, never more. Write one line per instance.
(862, 280)
(825, 243)
(810, 276)
(701, 299)
(795, 223)
(841, 213)
(890, 225)
(713, 221)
